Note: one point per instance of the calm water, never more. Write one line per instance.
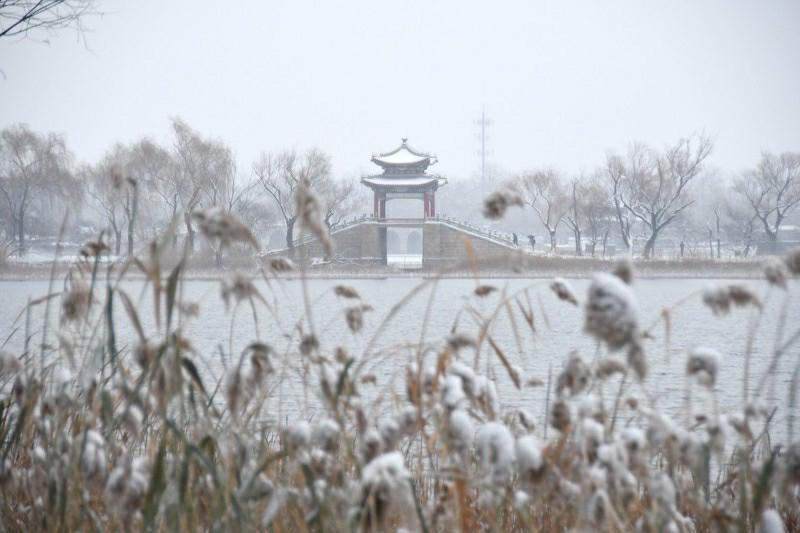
(558, 332)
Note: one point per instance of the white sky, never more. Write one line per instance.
(563, 81)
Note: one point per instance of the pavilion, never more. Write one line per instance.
(404, 177)
(432, 241)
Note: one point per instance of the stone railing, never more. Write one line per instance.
(354, 221)
(499, 237)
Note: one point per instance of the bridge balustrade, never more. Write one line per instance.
(491, 234)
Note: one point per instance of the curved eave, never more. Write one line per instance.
(383, 181)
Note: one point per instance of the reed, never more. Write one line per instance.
(100, 435)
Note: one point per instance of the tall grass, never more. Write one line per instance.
(100, 435)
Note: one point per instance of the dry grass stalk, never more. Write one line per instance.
(310, 215)
(147, 440)
(217, 225)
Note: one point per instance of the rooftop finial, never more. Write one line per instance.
(405, 140)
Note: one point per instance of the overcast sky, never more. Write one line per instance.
(562, 81)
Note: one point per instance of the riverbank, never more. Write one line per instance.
(523, 267)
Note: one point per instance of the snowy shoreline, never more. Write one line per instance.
(570, 269)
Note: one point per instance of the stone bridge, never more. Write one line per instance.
(445, 242)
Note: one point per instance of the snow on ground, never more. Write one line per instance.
(37, 257)
(404, 260)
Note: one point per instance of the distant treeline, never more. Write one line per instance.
(144, 188)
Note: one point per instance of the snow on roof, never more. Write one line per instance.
(403, 155)
(400, 181)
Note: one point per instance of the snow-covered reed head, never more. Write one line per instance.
(575, 377)
(354, 316)
(308, 344)
(281, 264)
(623, 269)
(497, 203)
(93, 248)
(720, 298)
(703, 363)
(563, 290)
(238, 288)
(325, 435)
(385, 485)
(531, 463)
(792, 260)
(560, 415)
(75, 301)
(495, 448)
(776, 272)
(609, 366)
(460, 432)
(346, 291)
(457, 341)
(10, 364)
(93, 458)
(127, 485)
(611, 311)
(260, 363)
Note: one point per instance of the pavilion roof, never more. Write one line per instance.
(403, 181)
(404, 155)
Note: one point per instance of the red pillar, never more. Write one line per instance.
(382, 207)
(375, 204)
(433, 204)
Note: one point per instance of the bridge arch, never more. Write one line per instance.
(414, 242)
(393, 244)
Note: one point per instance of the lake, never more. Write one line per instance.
(429, 317)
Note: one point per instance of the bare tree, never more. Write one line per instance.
(7, 234)
(589, 210)
(122, 176)
(150, 163)
(281, 174)
(772, 190)
(574, 216)
(237, 199)
(31, 166)
(544, 192)
(147, 166)
(739, 222)
(122, 186)
(714, 230)
(616, 181)
(339, 200)
(658, 188)
(21, 17)
(169, 187)
(598, 212)
(255, 212)
(708, 209)
(204, 173)
(107, 197)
